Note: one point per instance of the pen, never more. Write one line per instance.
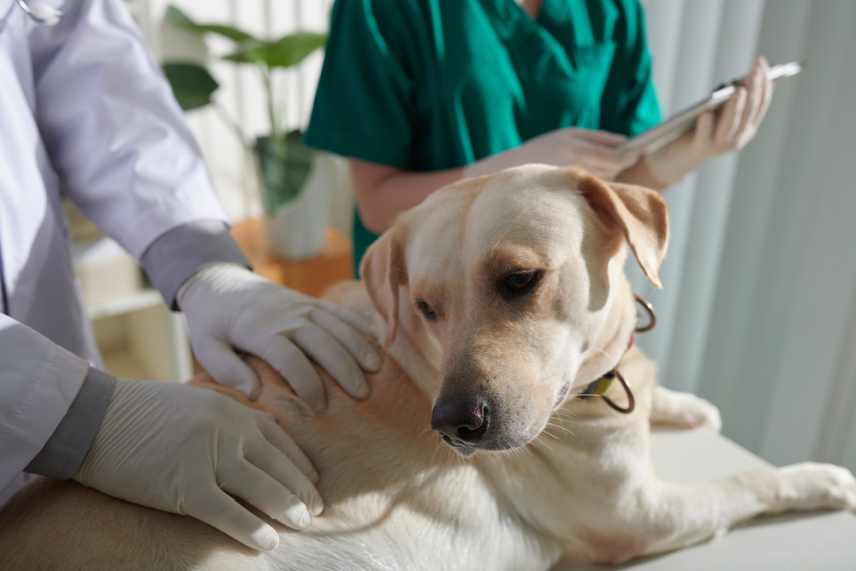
(789, 69)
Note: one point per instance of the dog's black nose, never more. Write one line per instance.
(465, 419)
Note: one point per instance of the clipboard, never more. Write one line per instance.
(679, 123)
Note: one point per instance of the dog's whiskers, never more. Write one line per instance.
(564, 429)
(546, 432)
(538, 444)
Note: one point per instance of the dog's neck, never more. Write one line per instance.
(612, 340)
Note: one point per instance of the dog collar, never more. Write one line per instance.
(601, 386)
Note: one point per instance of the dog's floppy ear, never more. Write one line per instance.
(639, 213)
(383, 270)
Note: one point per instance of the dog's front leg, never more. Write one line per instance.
(683, 410)
(679, 516)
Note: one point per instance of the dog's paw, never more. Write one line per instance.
(703, 414)
(684, 410)
(812, 486)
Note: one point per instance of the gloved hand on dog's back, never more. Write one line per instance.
(188, 451)
(229, 308)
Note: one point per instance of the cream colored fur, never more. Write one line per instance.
(569, 477)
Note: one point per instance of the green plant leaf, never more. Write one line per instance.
(284, 166)
(287, 51)
(191, 84)
(180, 19)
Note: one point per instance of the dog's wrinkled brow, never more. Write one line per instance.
(427, 289)
(506, 258)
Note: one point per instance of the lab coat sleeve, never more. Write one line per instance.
(114, 132)
(63, 453)
(182, 251)
(39, 381)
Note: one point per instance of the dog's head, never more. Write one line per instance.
(509, 284)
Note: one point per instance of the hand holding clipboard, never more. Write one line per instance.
(724, 121)
(681, 122)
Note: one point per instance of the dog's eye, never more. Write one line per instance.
(520, 283)
(426, 310)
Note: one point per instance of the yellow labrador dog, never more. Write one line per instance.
(500, 299)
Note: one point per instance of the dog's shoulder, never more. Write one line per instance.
(348, 293)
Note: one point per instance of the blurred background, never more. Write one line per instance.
(758, 312)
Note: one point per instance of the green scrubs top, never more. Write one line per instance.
(426, 85)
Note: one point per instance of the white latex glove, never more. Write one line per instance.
(184, 450)
(729, 128)
(229, 307)
(591, 150)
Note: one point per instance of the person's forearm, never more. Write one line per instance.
(670, 163)
(382, 199)
(640, 174)
(383, 192)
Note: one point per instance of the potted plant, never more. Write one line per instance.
(293, 186)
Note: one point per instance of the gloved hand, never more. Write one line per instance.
(229, 307)
(592, 150)
(729, 128)
(181, 449)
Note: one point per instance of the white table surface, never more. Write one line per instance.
(805, 542)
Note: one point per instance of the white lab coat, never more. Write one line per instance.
(86, 114)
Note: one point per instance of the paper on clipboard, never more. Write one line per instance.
(680, 122)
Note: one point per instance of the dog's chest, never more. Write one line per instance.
(442, 519)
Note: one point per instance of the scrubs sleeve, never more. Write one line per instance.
(630, 100)
(115, 134)
(363, 105)
(39, 382)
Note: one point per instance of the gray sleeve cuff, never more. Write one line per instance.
(177, 254)
(65, 450)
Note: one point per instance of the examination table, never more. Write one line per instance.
(800, 542)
